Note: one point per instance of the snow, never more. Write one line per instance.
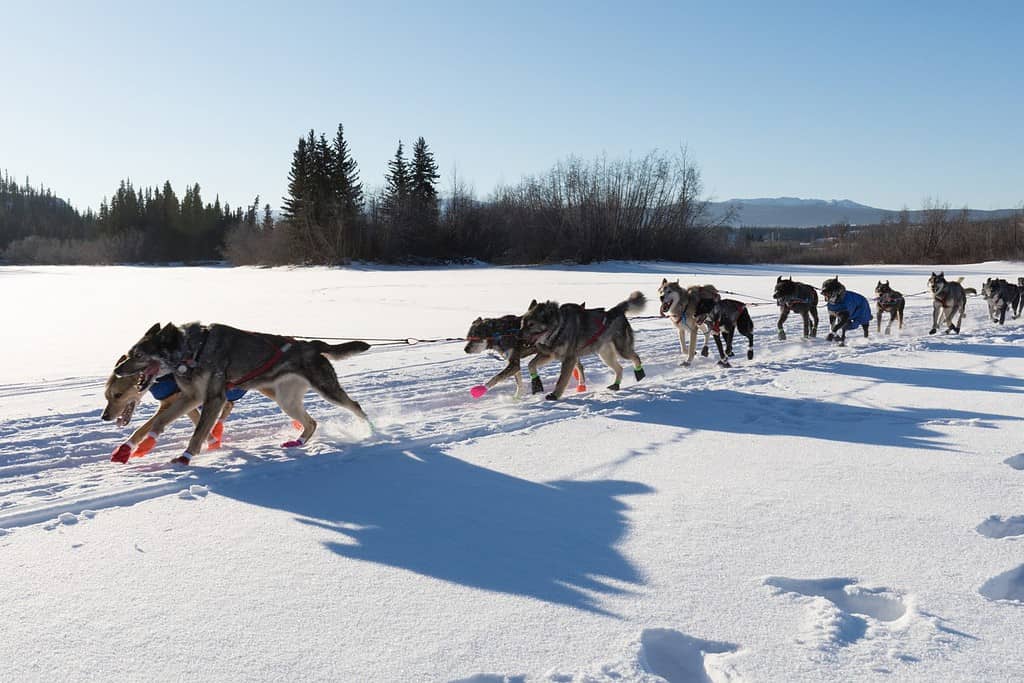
(818, 513)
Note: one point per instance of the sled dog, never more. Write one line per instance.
(725, 317)
(846, 310)
(948, 299)
(688, 307)
(570, 331)
(889, 301)
(1001, 295)
(208, 360)
(505, 337)
(800, 298)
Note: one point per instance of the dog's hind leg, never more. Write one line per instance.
(813, 313)
(580, 375)
(627, 350)
(327, 385)
(607, 355)
(289, 395)
(568, 365)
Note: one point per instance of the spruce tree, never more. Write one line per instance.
(293, 206)
(396, 193)
(423, 200)
(349, 190)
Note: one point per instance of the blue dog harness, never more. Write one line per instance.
(165, 386)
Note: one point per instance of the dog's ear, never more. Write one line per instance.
(583, 305)
(478, 320)
(778, 280)
(153, 330)
(664, 281)
(533, 304)
(942, 273)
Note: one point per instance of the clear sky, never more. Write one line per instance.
(884, 103)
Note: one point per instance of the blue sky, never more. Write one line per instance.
(882, 103)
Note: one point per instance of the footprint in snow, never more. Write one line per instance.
(659, 654)
(193, 492)
(1005, 587)
(680, 658)
(1016, 461)
(1001, 527)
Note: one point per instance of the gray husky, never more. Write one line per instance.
(889, 301)
(1001, 295)
(800, 298)
(570, 331)
(207, 360)
(948, 298)
(688, 307)
(504, 336)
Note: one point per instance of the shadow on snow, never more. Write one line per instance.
(438, 516)
(730, 411)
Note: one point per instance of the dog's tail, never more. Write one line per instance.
(970, 290)
(340, 351)
(634, 304)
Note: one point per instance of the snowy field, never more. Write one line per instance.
(818, 513)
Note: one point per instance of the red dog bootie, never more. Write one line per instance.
(216, 438)
(145, 446)
(121, 453)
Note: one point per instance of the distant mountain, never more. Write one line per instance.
(793, 212)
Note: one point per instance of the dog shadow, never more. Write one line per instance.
(427, 512)
(735, 412)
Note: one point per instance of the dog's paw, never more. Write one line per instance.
(704, 352)
(684, 364)
(294, 443)
(932, 331)
(536, 386)
(183, 459)
(639, 374)
(724, 364)
(614, 387)
(750, 354)
(782, 336)
(580, 388)
(478, 391)
(551, 397)
(830, 337)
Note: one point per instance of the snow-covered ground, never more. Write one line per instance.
(819, 513)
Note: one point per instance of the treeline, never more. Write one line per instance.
(148, 225)
(941, 235)
(582, 211)
(651, 207)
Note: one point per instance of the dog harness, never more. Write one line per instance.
(263, 369)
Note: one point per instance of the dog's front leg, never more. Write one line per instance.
(211, 413)
(935, 317)
(167, 414)
(568, 365)
(722, 360)
(144, 438)
(693, 344)
(681, 329)
(783, 314)
(536, 363)
(513, 368)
